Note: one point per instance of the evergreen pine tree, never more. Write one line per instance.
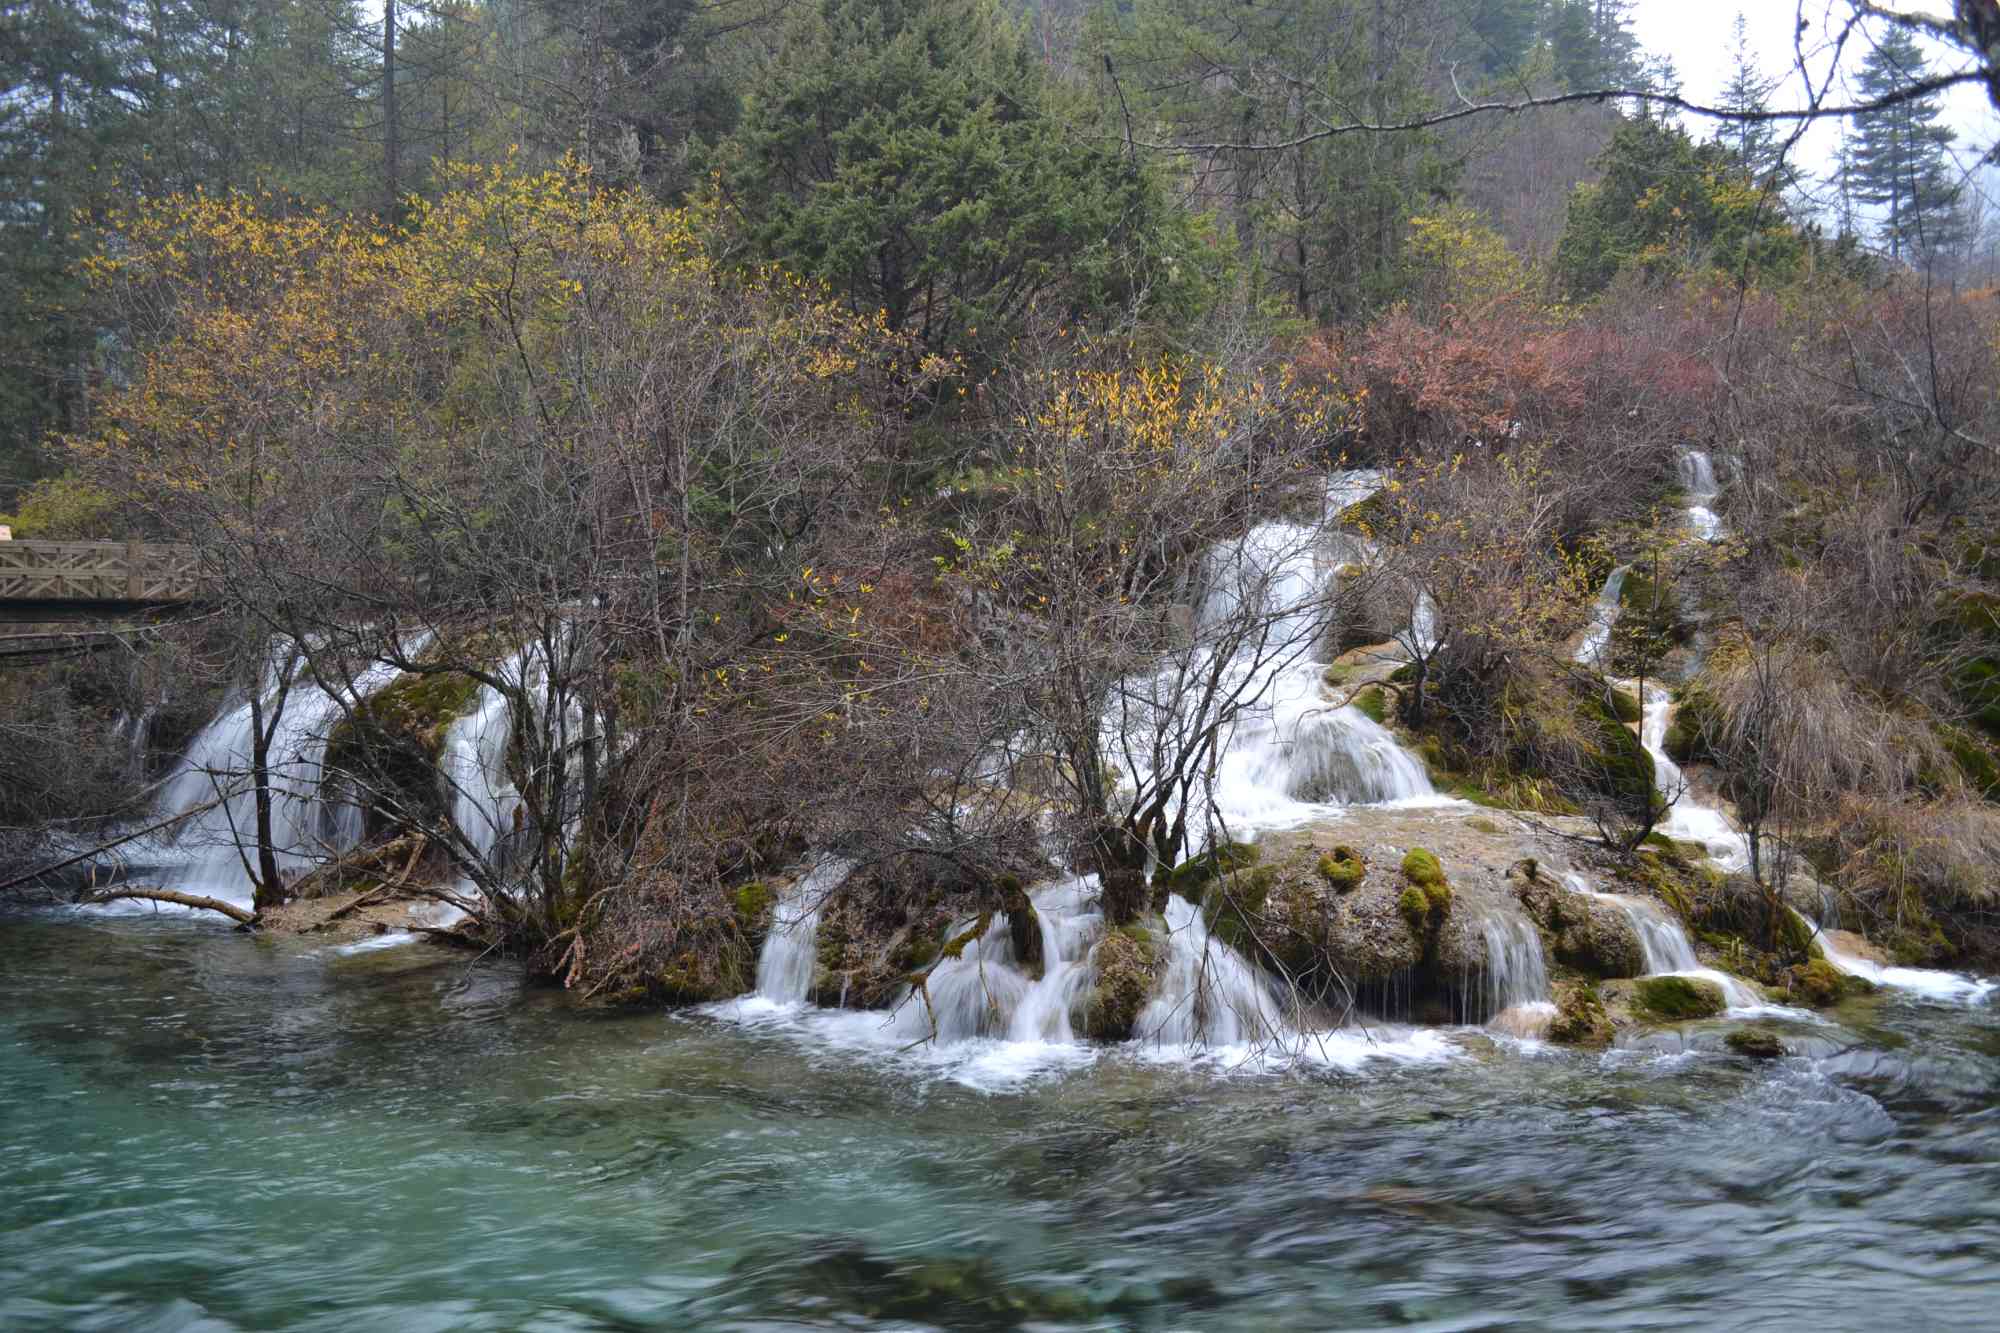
(1900, 164)
(1752, 141)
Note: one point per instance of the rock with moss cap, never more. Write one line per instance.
(1755, 1043)
(1675, 999)
(1127, 964)
(1583, 932)
(1581, 1019)
(1821, 985)
(1343, 868)
(1426, 896)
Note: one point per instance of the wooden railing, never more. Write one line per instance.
(147, 573)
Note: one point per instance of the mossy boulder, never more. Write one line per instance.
(1672, 999)
(1581, 1019)
(1625, 707)
(392, 742)
(1191, 878)
(1127, 963)
(1691, 729)
(1373, 703)
(1820, 985)
(1585, 933)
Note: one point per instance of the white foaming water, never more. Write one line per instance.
(205, 854)
(1687, 819)
(1698, 480)
(1667, 949)
(1603, 619)
(785, 966)
(1209, 994)
(1516, 981)
(1288, 755)
(1928, 983)
(988, 991)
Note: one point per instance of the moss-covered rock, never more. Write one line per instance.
(1191, 877)
(1127, 963)
(1649, 624)
(1692, 728)
(1580, 1018)
(1625, 707)
(1373, 703)
(1672, 999)
(392, 742)
(1585, 933)
(1820, 985)
(1755, 1043)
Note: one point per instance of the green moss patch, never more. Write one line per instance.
(1343, 868)
(1677, 999)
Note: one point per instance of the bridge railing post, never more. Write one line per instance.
(135, 571)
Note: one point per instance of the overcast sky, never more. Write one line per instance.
(1697, 34)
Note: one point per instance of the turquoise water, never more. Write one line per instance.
(200, 1130)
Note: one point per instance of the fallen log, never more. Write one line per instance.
(239, 914)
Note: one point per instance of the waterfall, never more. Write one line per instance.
(1666, 947)
(205, 853)
(1698, 480)
(1517, 975)
(1603, 619)
(987, 992)
(484, 802)
(1288, 754)
(785, 967)
(1928, 983)
(1687, 819)
(1209, 994)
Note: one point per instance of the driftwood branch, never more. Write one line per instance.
(195, 900)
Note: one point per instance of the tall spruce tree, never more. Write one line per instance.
(1900, 166)
(1747, 91)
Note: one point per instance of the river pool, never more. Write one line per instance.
(209, 1131)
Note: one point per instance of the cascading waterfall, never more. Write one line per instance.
(1930, 983)
(785, 967)
(1288, 756)
(1666, 947)
(1687, 818)
(1289, 753)
(1516, 982)
(1603, 619)
(1209, 994)
(988, 992)
(204, 854)
(1698, 480)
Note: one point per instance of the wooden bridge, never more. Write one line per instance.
(43, 582)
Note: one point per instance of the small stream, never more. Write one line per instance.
(208, 1132)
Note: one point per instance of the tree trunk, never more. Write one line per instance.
(392, 145)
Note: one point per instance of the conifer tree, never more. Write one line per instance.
(1900, 165)
(1748, 91)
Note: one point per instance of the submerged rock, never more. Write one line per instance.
(1755, 1043)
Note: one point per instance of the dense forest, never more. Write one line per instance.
(805, 422)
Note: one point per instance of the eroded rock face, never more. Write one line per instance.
(1583, 932)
